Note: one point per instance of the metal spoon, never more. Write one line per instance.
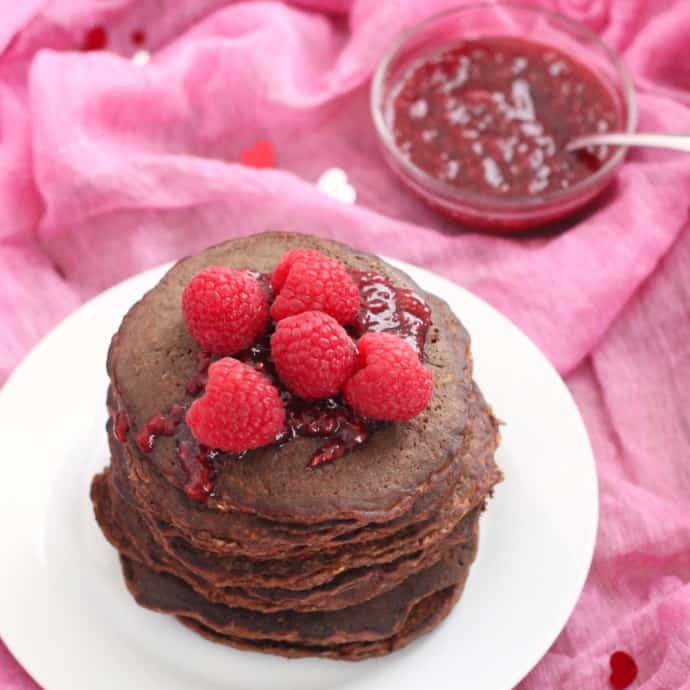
(677, 142)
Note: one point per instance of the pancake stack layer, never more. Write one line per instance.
(348, 560)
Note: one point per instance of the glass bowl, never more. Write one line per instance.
(493, 20)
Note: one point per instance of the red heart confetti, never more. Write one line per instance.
(259, 155)
(96, 38)
(623, 670)
(138, 37)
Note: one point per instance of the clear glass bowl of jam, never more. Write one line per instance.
(474, 107)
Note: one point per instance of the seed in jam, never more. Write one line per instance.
(493, 115)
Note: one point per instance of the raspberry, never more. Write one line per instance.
(224, 310)
(313, 354)
(239, 410)
(391, 383)
(280, 272)
(306, 280)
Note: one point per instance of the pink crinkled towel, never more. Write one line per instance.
(109, 166)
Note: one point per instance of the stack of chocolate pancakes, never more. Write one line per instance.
(351, 556)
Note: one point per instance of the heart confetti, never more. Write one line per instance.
(96, 38)
(138, 37)
(141, 58)
(259, 155)
(623, 670)
(334, 183)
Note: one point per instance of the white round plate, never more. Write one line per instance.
(65, 612)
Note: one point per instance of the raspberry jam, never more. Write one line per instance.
(199, 469)
(391, 309)
(120, 425)
(160, 425)
(198, 382)
(492, 116)
(384, 307)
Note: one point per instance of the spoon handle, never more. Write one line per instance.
(677, 142)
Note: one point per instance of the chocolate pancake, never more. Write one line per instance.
(223, 532)
(299, 574)
(128, 532)
(368, 545)
(424, 616)
(377, 619)
(229, 533)
(153, 357)
(350, 559)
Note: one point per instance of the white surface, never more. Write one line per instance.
(65, 612)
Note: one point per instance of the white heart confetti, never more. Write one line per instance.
(141, 58)
(334, 183)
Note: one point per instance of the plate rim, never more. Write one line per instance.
(148, 279)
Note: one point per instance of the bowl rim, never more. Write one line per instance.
(497, 204)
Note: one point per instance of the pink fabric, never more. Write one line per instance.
(107, 168)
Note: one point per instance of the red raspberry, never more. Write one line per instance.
(280, 272)
(239, 410)
(391, 383)
(313, 354)
(225, 310)
(306, 280)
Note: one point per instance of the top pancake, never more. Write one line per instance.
(153, 356)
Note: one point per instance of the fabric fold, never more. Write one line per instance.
(109, 167)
